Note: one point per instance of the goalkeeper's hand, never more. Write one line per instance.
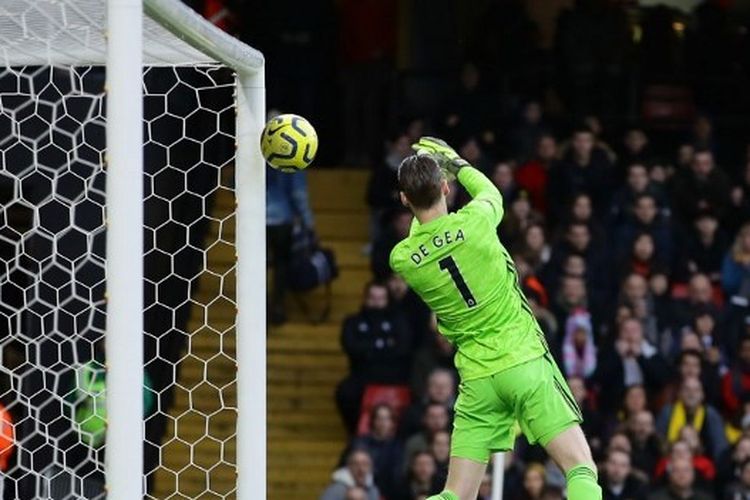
(445, 155)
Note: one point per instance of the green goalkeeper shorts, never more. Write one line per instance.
(534, 394)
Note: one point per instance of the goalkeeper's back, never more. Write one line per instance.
(458, 266)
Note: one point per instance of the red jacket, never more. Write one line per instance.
(532, 178)
(733, 384)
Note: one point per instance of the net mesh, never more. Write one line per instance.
(52, 269)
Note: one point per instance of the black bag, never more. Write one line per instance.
(311, 266)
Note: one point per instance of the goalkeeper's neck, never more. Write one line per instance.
(436, 211)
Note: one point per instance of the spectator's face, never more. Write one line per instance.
(659, 284)
(383, 425)
(575, 266)
(532, 113)
(355, 494)
(690, 367)
(582, 208)
(620, 442)
(583, 144)
(703, 164)
(741, 450)
(397, 286)
(617, 467)
(436, 418)
(635, 400)
(631, 331)
(547, 148)
(643, 425)
(423, 467)
(574, 290)
(635, 141)
(578, 388)
(638, 178)
(691, 393)
(503, 176)
(700, 289)
(691, 439)
(470, 151)
(579, 237)
(401, 147)
(691, 341)
(441, 446)
(440, 387)
(643, 247)
(377, 297)
(645, 209)
(521, 208)
(533, 482)
(594, 124)
(635, 287)
(681, 474)
(706, 226)
(535, 238)
(360, 466)
(685, 154)
(681, 451)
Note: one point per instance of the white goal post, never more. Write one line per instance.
(126, 36)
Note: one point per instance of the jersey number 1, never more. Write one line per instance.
(448, 264)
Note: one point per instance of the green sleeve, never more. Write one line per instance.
(487, 200)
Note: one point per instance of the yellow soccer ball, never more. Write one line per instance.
(289, 143)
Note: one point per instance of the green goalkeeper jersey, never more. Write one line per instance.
(458, 266)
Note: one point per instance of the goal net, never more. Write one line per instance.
(53, 267)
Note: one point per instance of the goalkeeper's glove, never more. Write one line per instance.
(445, 155)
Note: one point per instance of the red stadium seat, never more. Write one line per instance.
(397, 397)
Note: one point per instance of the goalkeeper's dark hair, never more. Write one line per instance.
(421, 180)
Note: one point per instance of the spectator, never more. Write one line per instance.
(467, 112)
(635, 147)
(420, 479)
(534, 247)
(630, 361)
(700, 297)
(579, 351)
(740, 490)
(356, 473)
(735, 384)
(703, 249)
(688, 447)
(382, 187)
(703, 187)
(693, 363)
(396, 230)
(436, 418)
(516, 220)
(584, 169)
(385, 450)
(405, 300)
(643, 258)
(502, 177)
(648, 309)
(616, 481)
(286, 202)
(637, 183)
(729, 467)
(441, 389)
(735, 270)
(646, 219)
(690, 409)
(525, 136)
(681, 483)
(592, 422)
(440, 447)
(534, 481)
(533, 175)
(379, 345)
(435, 354)
(646, 447)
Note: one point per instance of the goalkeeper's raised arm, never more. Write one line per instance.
(487, 199)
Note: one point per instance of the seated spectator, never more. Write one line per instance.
(382, 187)
(635, 147)
(532, 176)
(579, 351)
(646, 447)
(636, 295)
(693, 363)
(740, 489)
(681, 483)
(436, 353)
(440, 447)
(534, 247)
(436, 419)
(735, 270)
(592, 422)
(534, 482)
(638, 183)
(356, 473)
(688, 447)
(729, 466)
(616, 479)
(700, 297)
(690, 409)
(411, 305)
(704, 187)
(646, 219)
(385, 450)
(703, 249)
(502, 177)
(735, 384)
(441, 389)
(584, 168)
(631, 360)
(525, 135)
(519, 217)
(420, 478)
(398, 224)
(643, 258)
(379, 344)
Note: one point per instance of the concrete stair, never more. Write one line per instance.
(305, 436)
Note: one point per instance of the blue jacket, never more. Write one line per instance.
(733, 274)
(287, 198)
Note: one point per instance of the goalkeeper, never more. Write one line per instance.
(456, 263)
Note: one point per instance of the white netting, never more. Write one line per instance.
(52, 248)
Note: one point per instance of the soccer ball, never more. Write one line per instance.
(289, 143)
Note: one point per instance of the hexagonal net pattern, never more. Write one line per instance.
(52, 281)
